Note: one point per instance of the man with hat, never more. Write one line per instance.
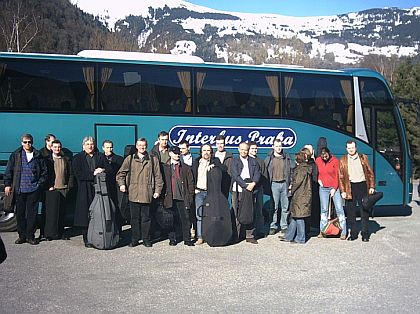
(178, 195)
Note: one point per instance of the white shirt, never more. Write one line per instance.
(220, 155)
(244, 175)
(187, 159)
(29, 156)
(202, 174)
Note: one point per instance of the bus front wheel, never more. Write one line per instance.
(7, 221)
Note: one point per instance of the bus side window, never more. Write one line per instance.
(293, 105)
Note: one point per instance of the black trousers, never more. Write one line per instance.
(26, 211)
(358, 191)
(54, 214)
(181, 219)
(140, 211)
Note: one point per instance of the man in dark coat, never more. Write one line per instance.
(200, 168)
(263, 184)
(46, 153)
(113, 164)
(225, 158)
(24, 179)
(245, 176)
(86, 165)
(161, 149)
(178, 195)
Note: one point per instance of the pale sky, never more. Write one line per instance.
(303, 7)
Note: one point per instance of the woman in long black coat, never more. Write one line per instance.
(86, 165)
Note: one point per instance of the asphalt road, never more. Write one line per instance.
(324, 275)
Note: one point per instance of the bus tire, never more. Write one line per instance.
(7, 221)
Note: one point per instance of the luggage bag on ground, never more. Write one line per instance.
(332, 228)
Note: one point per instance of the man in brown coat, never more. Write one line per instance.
(141, 177)
(356, 180)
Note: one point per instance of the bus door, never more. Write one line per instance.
(120, 134)
(389, 161)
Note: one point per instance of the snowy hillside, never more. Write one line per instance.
(178, 26)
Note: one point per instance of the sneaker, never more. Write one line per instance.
(283, 232)
(272, 232)
(199, 242)
(320, 235)
(343, 237)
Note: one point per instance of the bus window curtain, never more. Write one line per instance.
(273, 84)
(105, 75)
(185, 80)
(89, 75)
(200, 82)
(288, 82)
(346, 87)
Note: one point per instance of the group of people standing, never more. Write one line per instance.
(170, 178)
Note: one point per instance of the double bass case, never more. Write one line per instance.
(216, 217)
(102, 230)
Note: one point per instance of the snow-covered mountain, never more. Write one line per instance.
(177, 26)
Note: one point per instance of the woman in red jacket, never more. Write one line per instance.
(328, 167)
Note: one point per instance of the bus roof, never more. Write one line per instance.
(180, 60)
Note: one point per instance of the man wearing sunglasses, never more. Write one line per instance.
(25, 175)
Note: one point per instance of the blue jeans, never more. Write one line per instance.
(280, 191)
(199, 201)
(324, 193)
(296, 231)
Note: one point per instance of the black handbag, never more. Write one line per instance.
(369, 201)
(164, 216)
(246, 208)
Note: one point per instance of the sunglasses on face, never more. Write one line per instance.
(27, 142)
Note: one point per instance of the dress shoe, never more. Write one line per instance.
(284, 240)
(365, 239)
(252, 241)
(20, 241)
(189, 243)
(133, 244)
(33, 241)
(64, 237)
(272, 232)
(147, 243)
(88, 245)
(199, 241)
(351, 238)
(172, 243)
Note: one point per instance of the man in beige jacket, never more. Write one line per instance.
(141, 177)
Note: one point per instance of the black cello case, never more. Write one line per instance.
(216, 218)
(102, 231)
